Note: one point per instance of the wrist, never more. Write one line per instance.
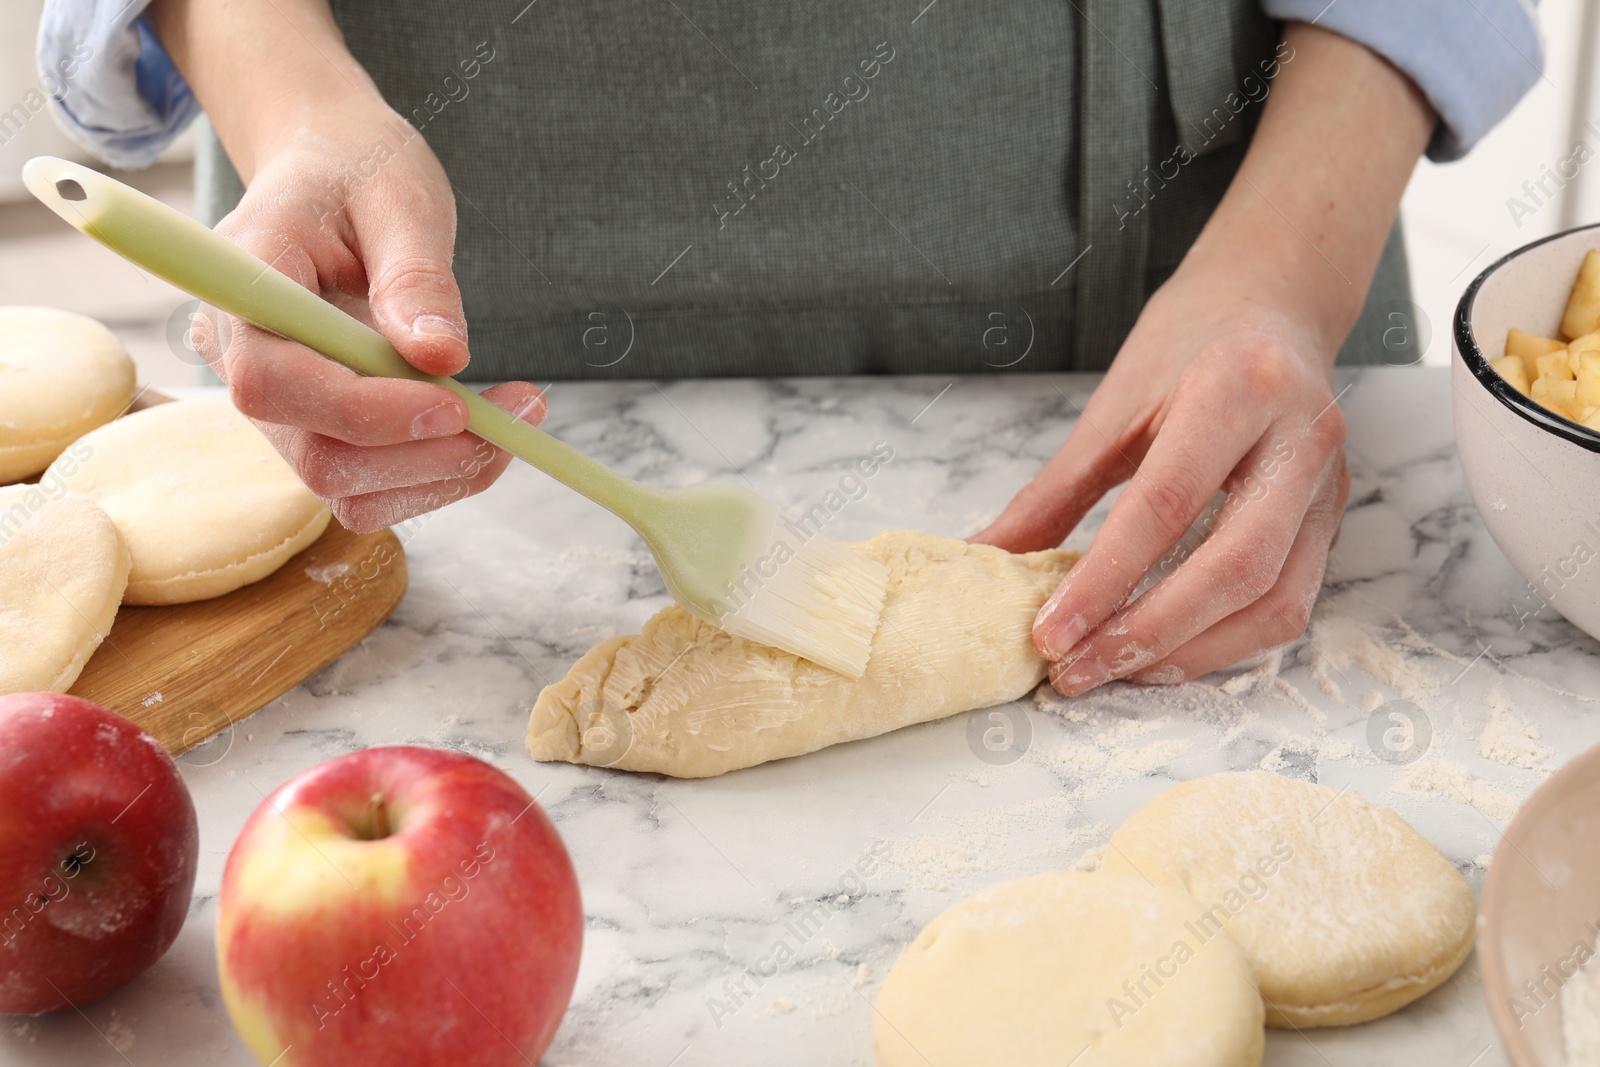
(1274, 273)
(308, 78)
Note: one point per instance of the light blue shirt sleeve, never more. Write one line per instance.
(1472, 59)
(111, 84)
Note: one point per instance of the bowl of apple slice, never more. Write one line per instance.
(1526, 378)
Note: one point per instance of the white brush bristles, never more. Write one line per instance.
(810, 596)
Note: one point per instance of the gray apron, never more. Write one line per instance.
(690, 188)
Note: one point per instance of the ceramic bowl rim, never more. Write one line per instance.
(1472, 355)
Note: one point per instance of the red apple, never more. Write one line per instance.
(399, 905)
(98, 845)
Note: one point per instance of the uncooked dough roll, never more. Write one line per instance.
(686, 699)
(1092, 970)
(203, 501)
(61, 375)
(62, 572)
(1346, 911)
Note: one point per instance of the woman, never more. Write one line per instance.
(1193, 195)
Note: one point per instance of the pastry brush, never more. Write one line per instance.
(726, 554)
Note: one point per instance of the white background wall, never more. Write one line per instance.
(1456, 218)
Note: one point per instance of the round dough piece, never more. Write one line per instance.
(62, 572)
(1347, 912)
(1095, 970)
(61, 375)
(203, 501)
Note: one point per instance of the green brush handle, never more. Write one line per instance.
(207, 266)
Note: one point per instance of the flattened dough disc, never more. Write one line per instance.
(61, 375)
(1346, 911)
(62, 572)
(686, 699)
(203, 501)
(1092, 970)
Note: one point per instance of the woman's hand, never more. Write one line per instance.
(1224, 384)
(347, 199)
(1200, 398)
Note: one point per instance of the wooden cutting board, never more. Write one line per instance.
(189, 671)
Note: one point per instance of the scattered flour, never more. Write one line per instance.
(1432, 774)
(328, 572)
(118, 1034)
(781, 1006)
(1507, 739)
(1043, 833)
(1335, 748)
(862, 977)
(1298, 699)
(1251, 680)
(1580, 1016)
(1090, 860)
(1339, 640)
(1371, 701)
(1104, 764)
(929, 863)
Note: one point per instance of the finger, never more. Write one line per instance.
(523, 399)
(1084, 469)
(407, 240)
(1268, 496)
(1186, 464)
(279, 381)
(1277, 618)
(374, 511)
(275, 380)
(333, 469)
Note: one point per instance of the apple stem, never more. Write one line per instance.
(378, 817)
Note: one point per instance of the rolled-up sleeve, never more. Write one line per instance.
(111, 85)
(1473, 59)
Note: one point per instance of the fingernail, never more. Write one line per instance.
(431, 325)
(529, 404)
(1079, 678)
(441, 421)
(1060, 637)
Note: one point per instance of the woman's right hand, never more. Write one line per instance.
(347, 199)
(359, 211)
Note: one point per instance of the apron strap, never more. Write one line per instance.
(1119, 92)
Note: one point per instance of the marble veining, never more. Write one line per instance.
(750, 919)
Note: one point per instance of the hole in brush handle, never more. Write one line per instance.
(71, 190)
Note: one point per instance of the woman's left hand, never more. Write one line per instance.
(1211, 391)
(1225, 383)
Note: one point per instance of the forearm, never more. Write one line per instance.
(257, 104)
(1302, 226)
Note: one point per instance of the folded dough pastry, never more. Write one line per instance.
(686, 699)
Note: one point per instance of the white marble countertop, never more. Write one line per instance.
(687, 884)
